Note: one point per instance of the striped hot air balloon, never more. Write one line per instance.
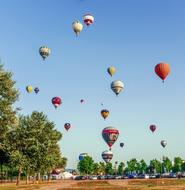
(88, 19)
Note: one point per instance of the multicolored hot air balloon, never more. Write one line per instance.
(110, 135)
(67, 126)
(82, 155)
(162, 70)
(104, 113)
(111, 70)
(117, 86)
(88, 19)
(56, 101)
(107, 155)
(44, 52)
(36, 90)
(29, 88)
(153, 128)
(163, 143)
(121, 145)
(77, 27)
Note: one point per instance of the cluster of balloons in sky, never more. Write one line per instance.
(109, 134)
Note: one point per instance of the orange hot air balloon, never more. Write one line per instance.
(104, 113)
(162, 70)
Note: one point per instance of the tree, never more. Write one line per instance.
(155, 166)
(86, 165)
(143, 167)
(96, 169)
(102, 167)
(8, 96)
(177, 164)
(109, 168)
(132, 165)
(167, 164)
(121, 168)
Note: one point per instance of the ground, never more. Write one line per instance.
(153, 184)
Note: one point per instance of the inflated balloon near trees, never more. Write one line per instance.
(29, 88)
(110, 135)
(162, 70)
(107, 155)
(82, 156)
(56, 101)
(67, 126)
(163, 143)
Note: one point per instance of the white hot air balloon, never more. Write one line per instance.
(44, 52)
(163, 143)
(107, 155)
(77, 27)
(117, 86)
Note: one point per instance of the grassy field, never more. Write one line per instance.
(160, 184)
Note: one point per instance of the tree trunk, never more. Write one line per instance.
(49, 176)
(19, 175)
(27, 176)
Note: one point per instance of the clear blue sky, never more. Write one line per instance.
(131, 35)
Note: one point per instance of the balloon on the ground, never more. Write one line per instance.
(56, 101)
(88, 19)
(67, 126)
(111, 71)
(117, 86)
(163, 143)
(162, 70)
(107, 155)
(29, 88)
(104, 113)
(121, 145)
(44, 52)
(110, 135)
(36, 89)
(82, 155)
(153, 128)
(77, 27)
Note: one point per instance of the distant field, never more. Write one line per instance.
(153, 184)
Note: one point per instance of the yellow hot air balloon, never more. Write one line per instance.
(111, 70)
(29, 89)
(77, 27)
(104, 113)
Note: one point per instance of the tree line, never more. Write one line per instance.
(29, 145)
(87, 166)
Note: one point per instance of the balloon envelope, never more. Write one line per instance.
(67, 126)
(163, 143)
(82, 155)
(36, 90)
(44, 52)
(153, 128)
(29, 89)
(104, 113)
(88, 19)
(107, 155)
(111, 71)
(77, 27)
(56, 101)
(121, 145)
(162, 70)
(117, 86)
(110, 135)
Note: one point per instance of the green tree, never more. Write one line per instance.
(132, 165)
(102, 167)
(109, 168)
(96, 169)
(177, 164)
(86, 165)
(121, 168)
(167, 164)
(155, 166)
(143, 167)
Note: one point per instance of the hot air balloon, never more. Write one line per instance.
(29, 89)
(121, 145)
(36, 90)
(117, 86)
(44, 52)
(111, 71)
(81, 101)
(152, 128)
(77, 27)
(56, 101)
(82, 155)
(110, 135)
(104, 113)
(163, 143)
(107, 155)
(67, 126)
(162, 70)
(88, 19)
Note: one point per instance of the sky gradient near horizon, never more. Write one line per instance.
(131, 35)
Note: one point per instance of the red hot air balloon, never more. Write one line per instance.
(56, 101)
(67, 126)
(88, 19)
(152, 128)
(162, 70)
(110, 135)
